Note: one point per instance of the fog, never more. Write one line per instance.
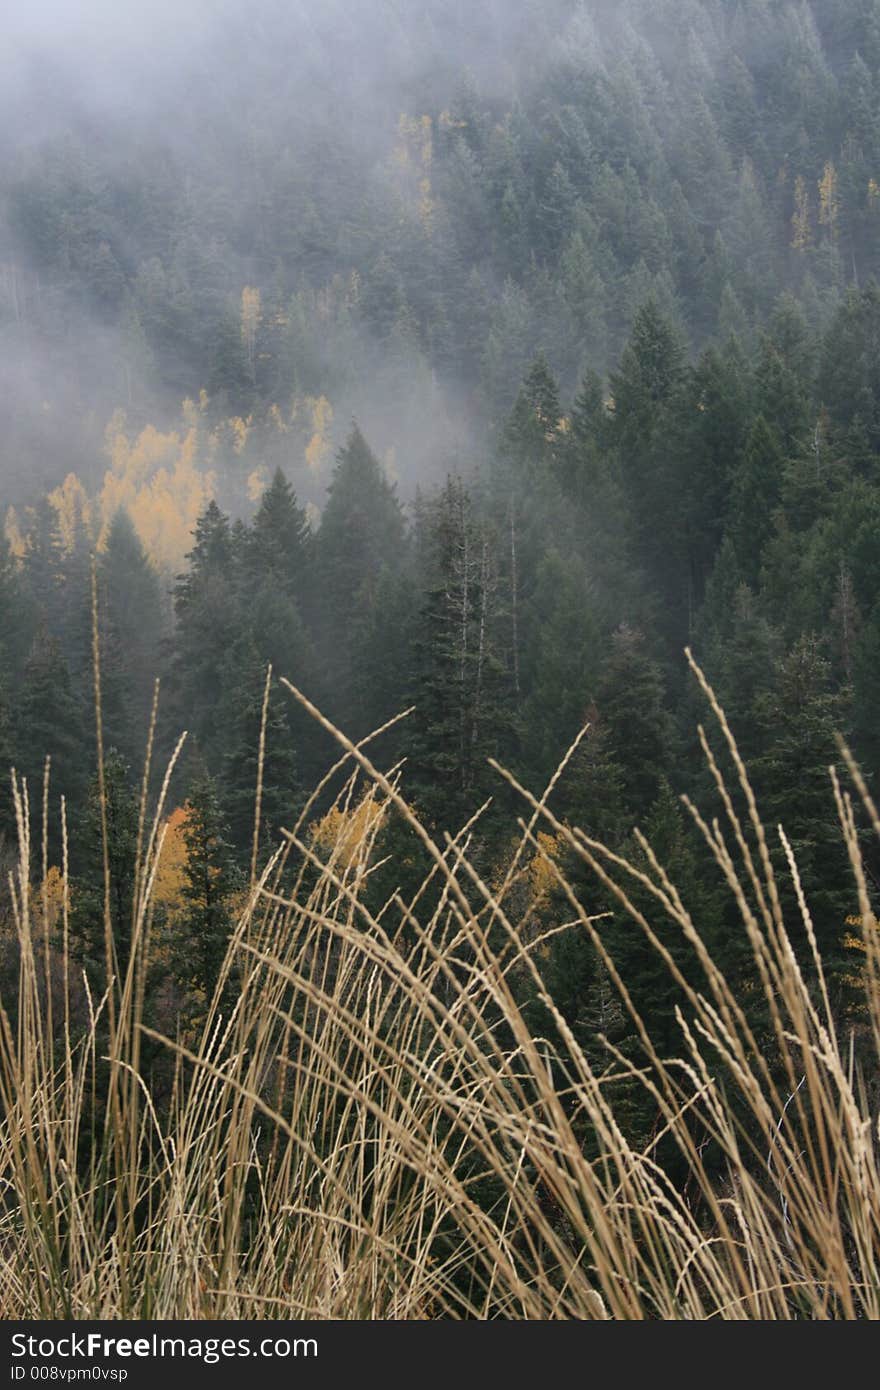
(105, 107)
(157, 159)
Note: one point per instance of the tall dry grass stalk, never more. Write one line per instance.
(372, 1130)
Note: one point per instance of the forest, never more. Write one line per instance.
(518, 373)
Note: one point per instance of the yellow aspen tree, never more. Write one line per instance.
(800, 218)
(257, 482)
(829, 206)
(73, 510)
(318, 447)
(12, 531)
(250, 318)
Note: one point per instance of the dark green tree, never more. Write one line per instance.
(241, 710)
(131, 629)
(362, 534)
(211, 882)
(88, 902)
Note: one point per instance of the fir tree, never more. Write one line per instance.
(211, 882)
(87, 920)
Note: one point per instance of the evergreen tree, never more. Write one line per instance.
(754, 496)
(462, 692)
(8, 832)
(50, 722)
(533, 429)
(279, 544)
(630, 699)
(362, 534)
(211, 882)
(241, 710)
(799, 718)
(130, 634)
(208, 625)
(87, 917)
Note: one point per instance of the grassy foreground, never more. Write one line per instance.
(371, 1130)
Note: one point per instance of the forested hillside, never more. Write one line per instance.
(475, 359)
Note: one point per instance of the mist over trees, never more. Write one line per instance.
(474, 358)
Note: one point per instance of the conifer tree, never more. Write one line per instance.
(279, 544)
(362, 533)
(211, 882)
(131, 630)
(799, 718)
(87, 920)
(51, 722)
(244, 684)
(631, 702)
(208, 624)
(754, 495)
(461, 689)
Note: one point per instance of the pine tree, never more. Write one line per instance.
(461, 689)
(209, 623)
(8, 833)
(50, 722)
(230, 384)
(849, 374)
(631, 702)
(799, 718)
(279, 544)
(754, 496)
(649, 434)
(211, 882)
(362, 534)
(532, 432)
(130, 632)
(87, 919)
(241, 709)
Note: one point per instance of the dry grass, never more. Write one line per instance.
(374, 1131)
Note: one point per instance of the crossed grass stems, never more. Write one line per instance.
(371, 1129)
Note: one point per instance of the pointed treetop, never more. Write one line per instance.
(280, 533)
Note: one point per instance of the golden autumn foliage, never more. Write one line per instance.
(15, 537)
(172, 861)
(317, 450)
(800, 218)
(74, 511)
(250, 320)
(50, 897)
(165, 477)
(542, 878)
(162, 482)
(343, 833)
(829, 206)
(257, 482)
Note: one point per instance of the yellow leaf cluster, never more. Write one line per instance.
(345, 835)
(73, 509)
(829, 206)
(51, 898)
(13, 533)
(800, 218)
(256, 482)
(250, 319)
(240, 430)
(541, 876)
(318, 447)
(156, 477)
(172, 861)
